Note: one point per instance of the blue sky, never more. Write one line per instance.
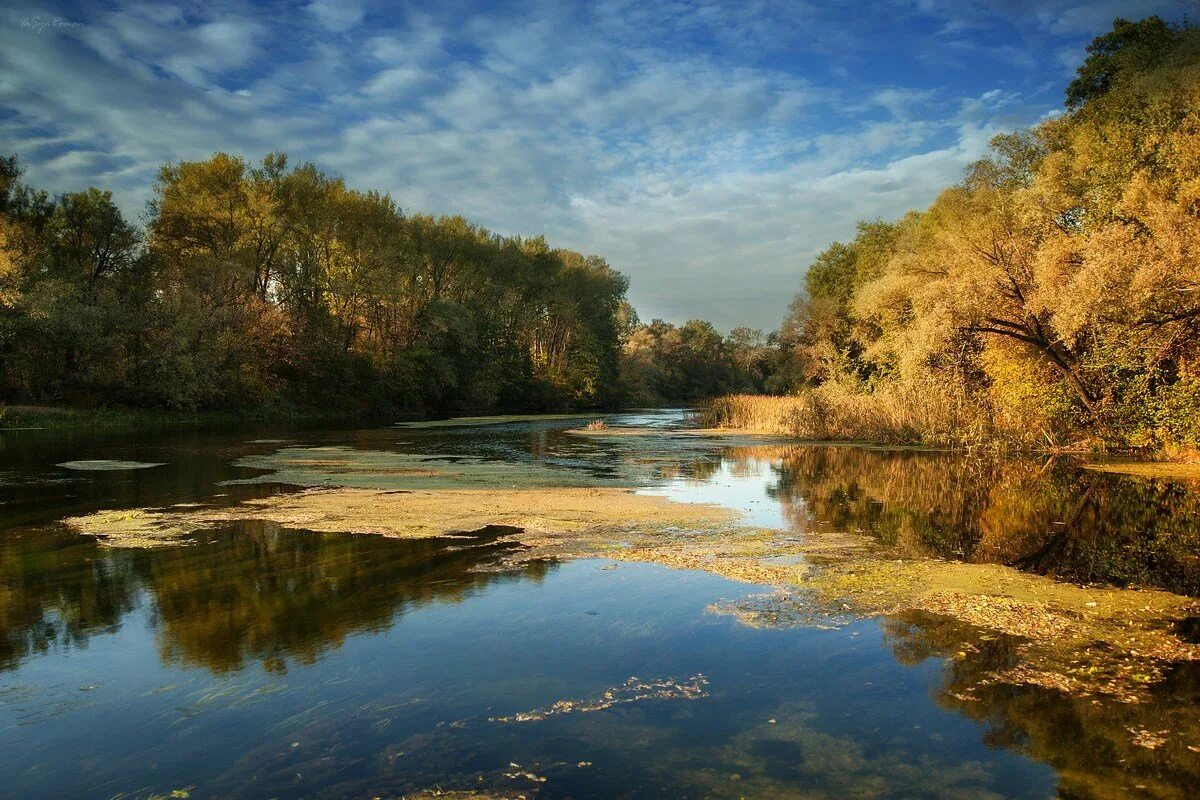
(706, 149)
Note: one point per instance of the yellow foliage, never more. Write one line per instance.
(1058, 286)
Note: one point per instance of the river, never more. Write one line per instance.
(254, 660)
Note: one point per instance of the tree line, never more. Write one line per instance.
(264, 284)
(1053, 296)
(662, 363)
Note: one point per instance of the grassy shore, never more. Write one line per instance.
(29, 417)
(830, 413)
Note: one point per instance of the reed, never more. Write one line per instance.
(833, 412)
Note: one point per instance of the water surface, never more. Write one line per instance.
(257, 662)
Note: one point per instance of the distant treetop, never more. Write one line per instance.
(1129, 46)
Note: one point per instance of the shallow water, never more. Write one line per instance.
(258, 663)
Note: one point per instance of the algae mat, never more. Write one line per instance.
(417, 514)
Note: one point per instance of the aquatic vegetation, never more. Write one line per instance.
(1092, 740)
(1087, 640)
(453, 794)
(634, 690)
(1081, 640)
(542, 515)
(174, 794)
(135, 527)
(1090, 640)
(782, 608)
(498, 419)
(387, 469)
(865, 534)
(107, 465)
(713, 437)
(790, 757)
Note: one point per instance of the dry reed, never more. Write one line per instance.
(833, 412)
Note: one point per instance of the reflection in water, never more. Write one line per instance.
(1050, 517)
(251, 592)
(1086, 739)
(58, 590)
(265, 595)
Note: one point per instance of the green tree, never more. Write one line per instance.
(1129, 47)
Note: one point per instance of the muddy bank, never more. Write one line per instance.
(1183, 470)
(742, 437)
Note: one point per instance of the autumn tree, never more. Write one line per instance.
(1055, 289)
(260, 284)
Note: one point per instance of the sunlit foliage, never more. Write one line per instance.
(269, 285)
(1056, 290)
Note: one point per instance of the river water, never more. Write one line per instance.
(258, 662)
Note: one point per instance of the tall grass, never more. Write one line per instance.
(834, 412)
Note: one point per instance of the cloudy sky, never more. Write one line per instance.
(706, 149)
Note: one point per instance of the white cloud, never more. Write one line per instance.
(338, 16)
(684, 143)
(1097, 15)
(395, 81)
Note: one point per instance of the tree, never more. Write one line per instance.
(1056, 289)
(1129, 47)
(89, 240)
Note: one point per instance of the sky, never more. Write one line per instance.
(708, 150)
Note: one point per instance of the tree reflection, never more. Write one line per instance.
(271, 596)
(56, 591)
(1100, 747)
(1050, 517)
(251, 593)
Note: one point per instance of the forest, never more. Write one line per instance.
(269, 285)
(1051, 299)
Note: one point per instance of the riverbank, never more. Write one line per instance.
(31, 417)
(831, 414)
(34, 417)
